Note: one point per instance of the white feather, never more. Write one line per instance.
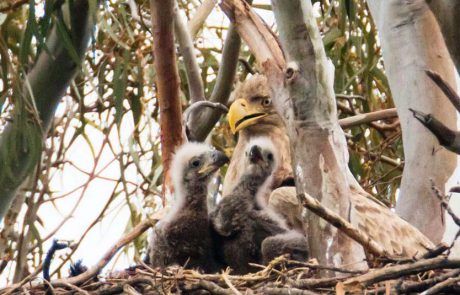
(181, 159)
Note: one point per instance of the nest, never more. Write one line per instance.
(436, 275)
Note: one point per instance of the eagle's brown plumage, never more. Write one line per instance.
(251, 115)
(251, 98)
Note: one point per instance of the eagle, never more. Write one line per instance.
(244, 222)
(252, 114)
(183, 236)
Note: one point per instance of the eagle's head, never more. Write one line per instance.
(252, 104)
(260, 157)
(193, 165)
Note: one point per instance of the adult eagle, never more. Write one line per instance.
(252, 114)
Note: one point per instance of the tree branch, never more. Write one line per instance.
(186, 49)
(223, 87)
(167, 83)
(397, 271)
(446, 88)
(343, 225)
(95, 270)
(201, 14)
(22, 139)
(367, 118)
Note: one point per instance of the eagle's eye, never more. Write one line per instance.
(266, 102)
(195, 163)
(270, 156)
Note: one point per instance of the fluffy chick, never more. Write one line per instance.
(183, 237)
(242, 219)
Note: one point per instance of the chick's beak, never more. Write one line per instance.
(255, 154)
(216, 160)
(243, 114)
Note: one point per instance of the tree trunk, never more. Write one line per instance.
(307, 104)
(167, 84)
(303, 95)
(22, 139)
(447, 12)
(412, 43)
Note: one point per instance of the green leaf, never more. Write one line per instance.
(66, 40)
(28, 34)
(120, 77)
(330, 37)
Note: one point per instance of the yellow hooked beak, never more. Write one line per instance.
(242, 114)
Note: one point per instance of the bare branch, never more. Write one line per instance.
(223, 86)
(201, 14)
(343, 225)
(368, 117)
(446, 88)
(93, 271)
(187, 50)
(397, 271)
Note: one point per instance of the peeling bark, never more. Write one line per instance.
(412, 43)
(167, 83)
(304, 97)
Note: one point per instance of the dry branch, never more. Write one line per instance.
(347, 228)
(95, 270)
(446, 88)
(368, 117)
(397, 271)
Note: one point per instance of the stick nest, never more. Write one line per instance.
(282, 276)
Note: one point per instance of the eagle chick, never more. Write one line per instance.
(183, 236)
(242, 219)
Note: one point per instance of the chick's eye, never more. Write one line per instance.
(266, 102)
(195, 163)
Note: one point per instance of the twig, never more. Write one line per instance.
(444, 203)
(73, 287)
(128, 289)
(229, 284)
(397, 271)
(135, 15)
(324, 267)
(199, 104)
(410, 287)
(214, 288)
(10, 289)
(93, 271)
(343, 225)
(446, 88)
(247, 66)
(438, 288)
(317, 283)
(288, 291)
(368, 117)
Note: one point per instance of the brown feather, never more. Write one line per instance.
(396, 235)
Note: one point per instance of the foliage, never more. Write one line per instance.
(111, 112)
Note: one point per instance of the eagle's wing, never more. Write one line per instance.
(395, 235)
(229, 216)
